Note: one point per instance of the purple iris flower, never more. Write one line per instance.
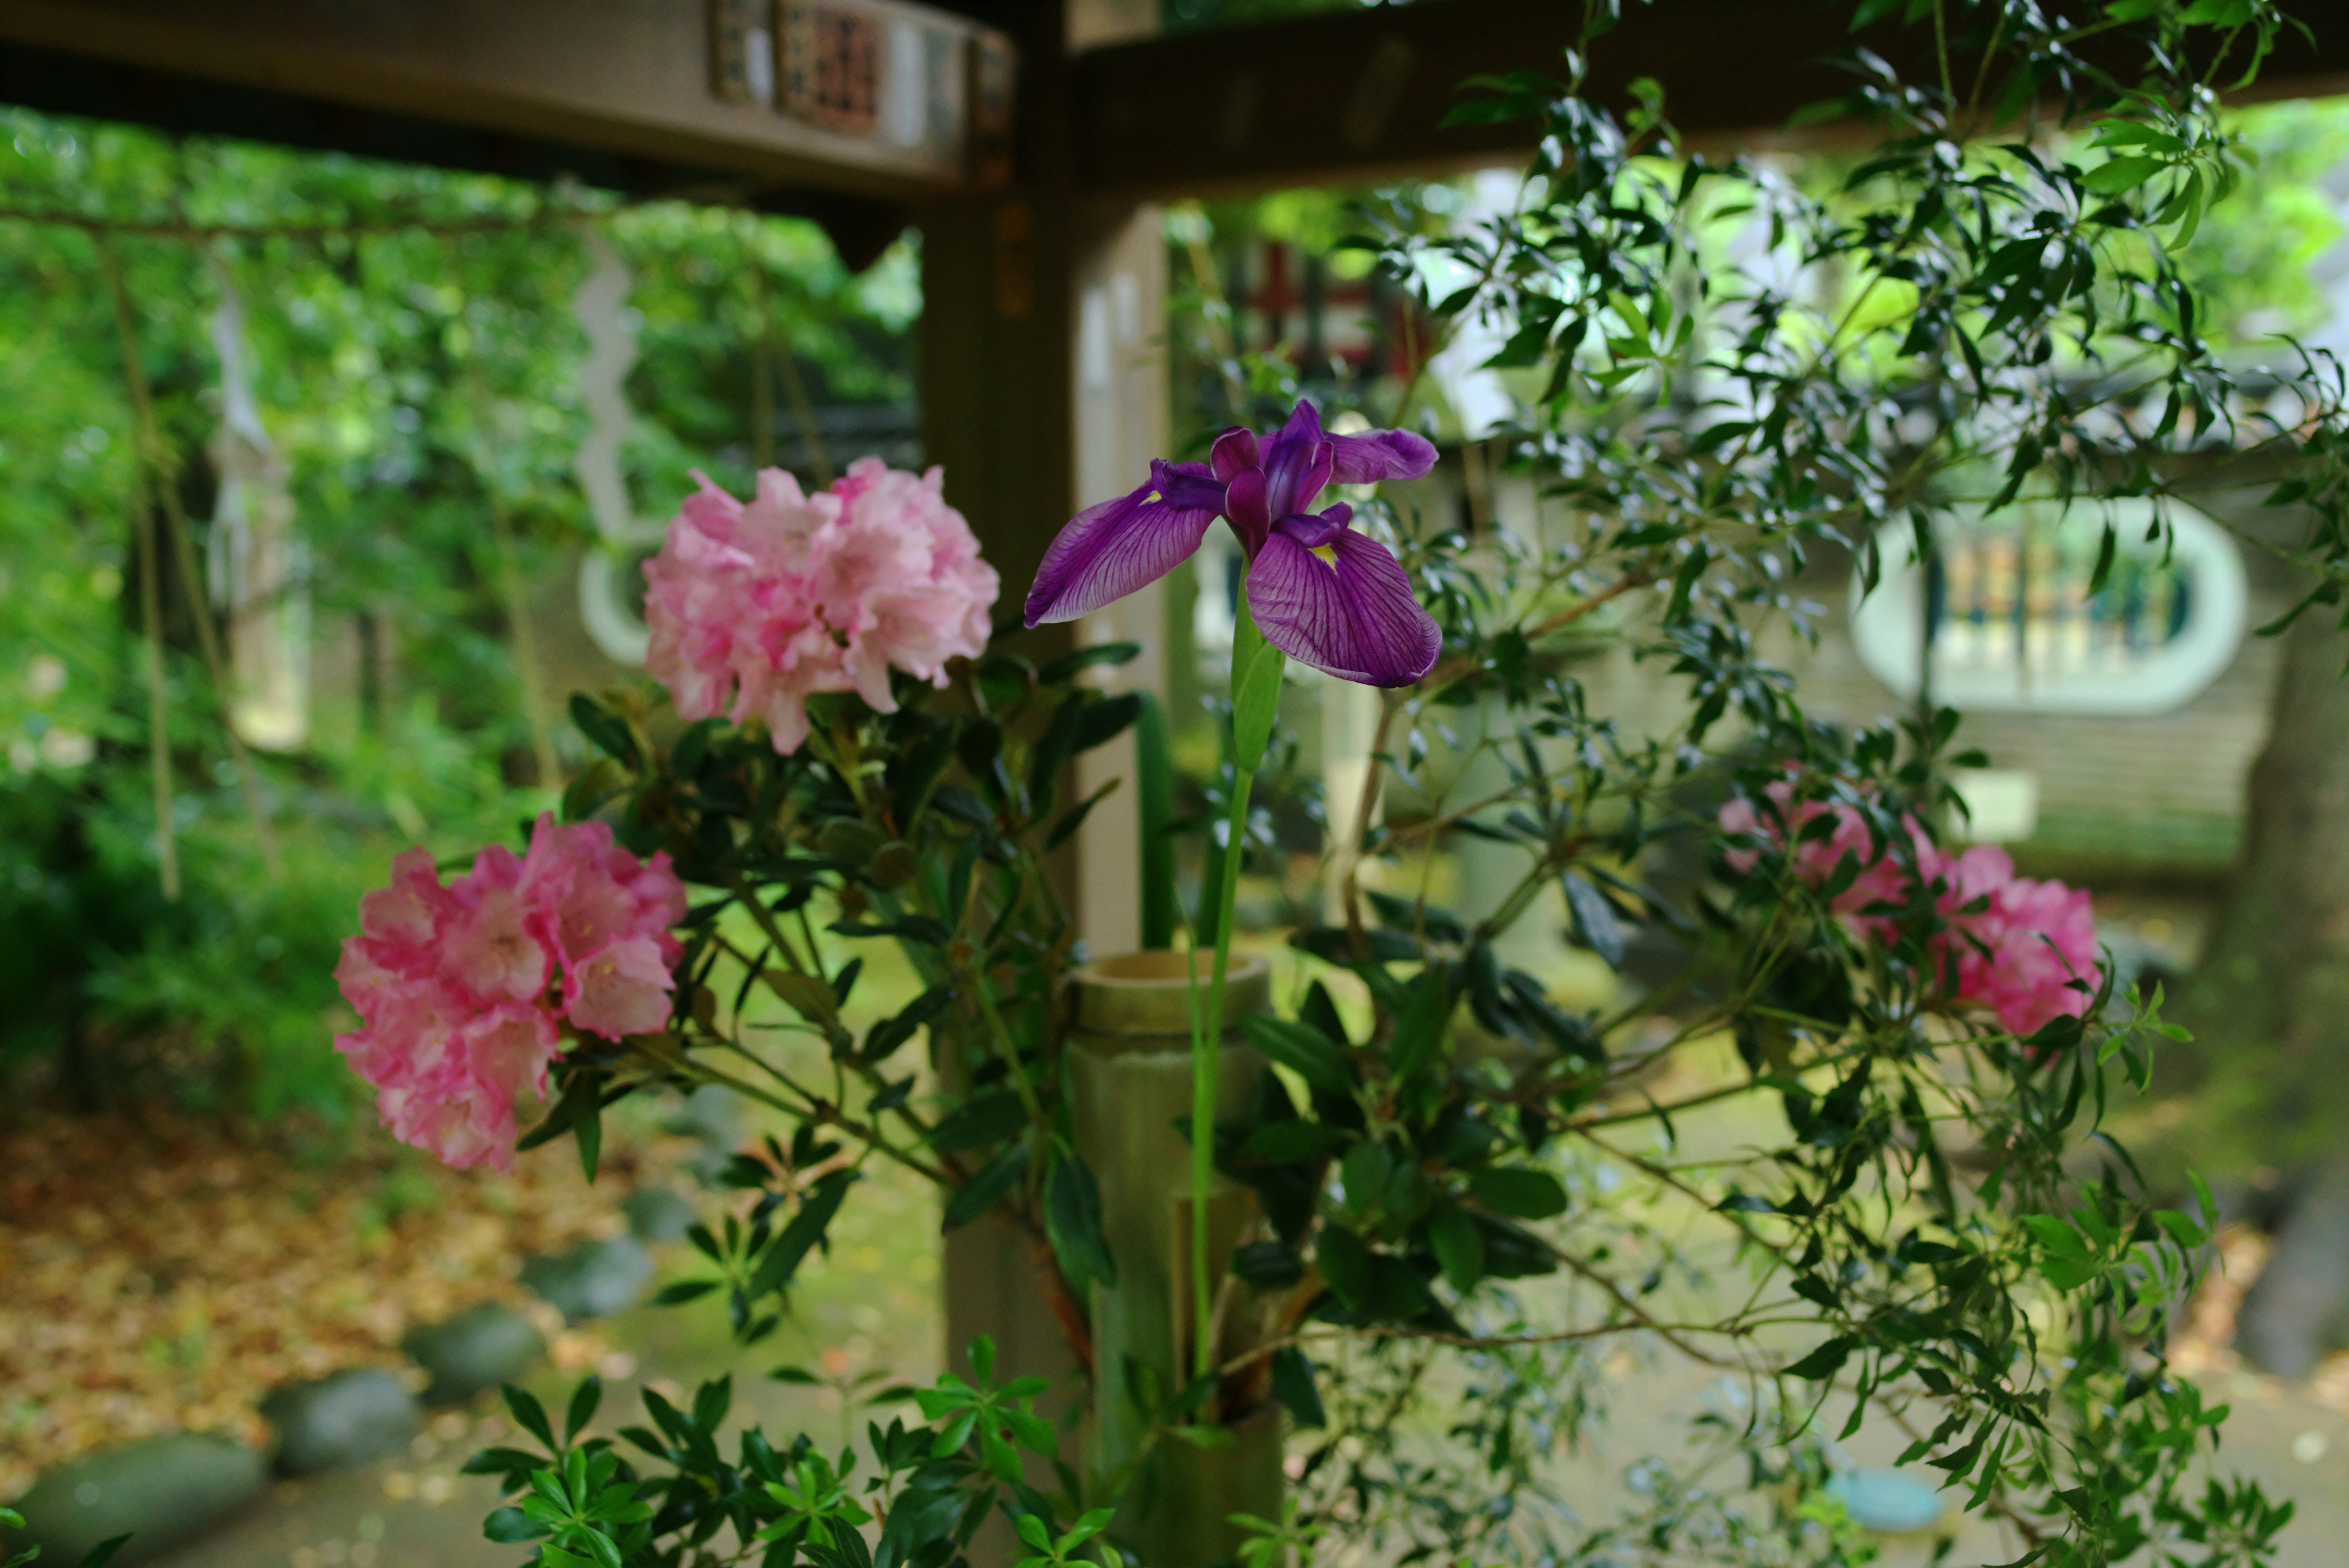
(1321, 593)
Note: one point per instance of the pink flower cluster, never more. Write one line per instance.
(463, 990)
(755, 607)
(2017, 953)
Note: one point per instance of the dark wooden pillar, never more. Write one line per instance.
(996, 412)
(1042, 382)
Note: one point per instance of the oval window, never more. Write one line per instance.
(2005, 604)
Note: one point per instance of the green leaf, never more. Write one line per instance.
(1072, 1218)
(984, 1190)
(2107, 548)
(1345, 1264)
(2117, 175)
(511, 1526)
(808, 1227)
(1255, 704)
(607, 729)
(1069, 666)
(1459, 1246)
(811, 996)
(1292, 1384)
(1305, 1051)
(583, 1401)
(2059, 1238)
(1420, 1028)
(1595, 924)
(1517, 1191)
(1826, 1361)
(982, 1121)
(1292, 1142)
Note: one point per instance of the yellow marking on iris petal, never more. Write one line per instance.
(1328, 552)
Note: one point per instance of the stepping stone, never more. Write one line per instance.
(339, 1421)
(477, 1349)
(711, 1113)
(594, 1280)
(163, 1492)
(658, 1215)
(1886, 1502)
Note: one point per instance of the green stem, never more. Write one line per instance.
(1207, 1052)
(1207, 1033)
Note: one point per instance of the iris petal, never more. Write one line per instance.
(1108, 551)
(1374, 455)
(1353, 615)
(1233, 450)
(1244, 503)
(1296, 462)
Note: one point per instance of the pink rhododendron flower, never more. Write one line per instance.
(2019, 955)
(2010, 944)
(464, 990)
(754, 607)
(1880, 879)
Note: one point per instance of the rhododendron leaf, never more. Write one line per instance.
(1826, 1361)
(1073, 1216)
(1095, 655)
(583, 1401)
(511, 1526)
(1074, 818)
(1305, 1051)
(982, 1191)
(1595, 924)
(587, 1128)
(606, 729)
(1420, 1028)
(598, 782)
(1459, 1246)
(808, 1227)
(811, 996)
(883, 1038)
(1292, 1384)
(1517, 1191)
(528, 1414)
(982, 1121)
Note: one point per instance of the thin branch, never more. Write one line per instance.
(162, 473)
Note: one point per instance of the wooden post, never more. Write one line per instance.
(1043, 391)
(995, 345)
(1121, 424)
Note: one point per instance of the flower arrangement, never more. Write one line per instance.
(1442, 1125)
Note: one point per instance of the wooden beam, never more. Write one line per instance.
(1354, 97)
(620, 92)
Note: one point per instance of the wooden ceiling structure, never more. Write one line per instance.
(1025, 140)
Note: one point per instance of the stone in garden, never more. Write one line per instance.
(1886, 1502)
(477, 1349)
(658, 1215)
(163, 1492)
(338, 1421)
(712, 1115)
(594, 1279)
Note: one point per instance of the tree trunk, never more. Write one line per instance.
(2269, 1004)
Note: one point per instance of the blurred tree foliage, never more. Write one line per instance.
(416, 361)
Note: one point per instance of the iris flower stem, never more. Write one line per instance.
(1207, 1034)
(1208, 1048)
